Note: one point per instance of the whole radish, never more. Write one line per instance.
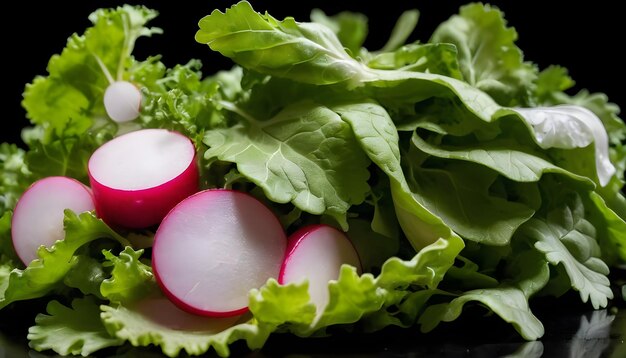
(122, 101)
(138, 177)
(38, 216)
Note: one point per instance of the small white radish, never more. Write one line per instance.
(213, 248)
(122, 101)
(38, 216)
(316, 253)
(138, 177)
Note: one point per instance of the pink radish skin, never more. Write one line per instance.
(38, 216)
(316, 253)
(137, 178)
(213, 248)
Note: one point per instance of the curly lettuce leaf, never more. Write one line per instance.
(157, 321)
(487, 54)
(15, 176)
(299, 156)
(71, 330)
(130, 278)
(63, 156)
(47, 272)
(7, 252)
(379, 301)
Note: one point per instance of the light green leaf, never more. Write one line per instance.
(14, 176)
(130, 279)
(63, 156)
(86, 274)
(429, 58)
(402, 30)
(508, 158)
(566, 238)
(350, 28)
(45, 273)
(305, 52)
(156, 321)
(458, 193)
(76, 330)
(7, 252)
(488, 56)
(509, 301)
(305, 155)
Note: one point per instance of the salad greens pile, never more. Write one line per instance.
(451, 164)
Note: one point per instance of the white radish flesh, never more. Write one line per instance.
(316, 253)
(38, 216)
(138, 177)
(122, 101)
(213, 248)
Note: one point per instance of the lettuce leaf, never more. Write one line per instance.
(71, 330)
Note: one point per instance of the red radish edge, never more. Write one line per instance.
(141, 208)
(297, 238)
(171, 296)
(46, 230)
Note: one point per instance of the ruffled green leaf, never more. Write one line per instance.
(47, 272)
(130, 278)
(76, 330)
(156, 321)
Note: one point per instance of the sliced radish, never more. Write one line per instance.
(138, 177)
(38, 216)
(122, 101)
(316, 253)
(213, 248)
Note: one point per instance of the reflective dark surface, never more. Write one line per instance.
(572, 329)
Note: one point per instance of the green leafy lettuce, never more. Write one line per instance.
(418, 151)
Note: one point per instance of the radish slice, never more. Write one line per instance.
(213, 248)
(38, 216)
(122, 101)
(138, 177)
(316, 253)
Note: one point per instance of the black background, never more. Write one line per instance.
(587, 38)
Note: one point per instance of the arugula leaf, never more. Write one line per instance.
(298, 156)
(76, 330)
(488, 56)
(567, 238)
